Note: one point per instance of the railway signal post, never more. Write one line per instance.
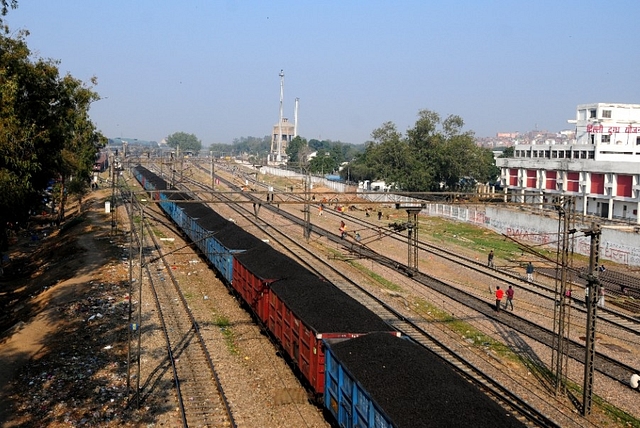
(412, 235)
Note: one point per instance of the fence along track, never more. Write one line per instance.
(201, 399)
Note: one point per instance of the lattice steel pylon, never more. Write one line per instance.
(562, 310)
(307, 207)
(592, 308)
(412, 239)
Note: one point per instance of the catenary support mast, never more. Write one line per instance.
(592, 307)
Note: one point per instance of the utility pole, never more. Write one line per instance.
(562, 309)
(307, 207)
(213, 179)
(181, 162)
(130, 330)
(141, 261)
(412, 239)
(173, 170)
(113, 195)
(594, 290)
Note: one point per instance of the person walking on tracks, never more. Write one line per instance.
(343, 230)
(586, 297)
(499, 296)
(510, 293)
(601, 298)
(530, 272)
(490, 260)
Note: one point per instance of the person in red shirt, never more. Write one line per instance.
(499, 296)
(510, 293)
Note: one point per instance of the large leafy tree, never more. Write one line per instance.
(297, 151)
(434, 155)
(45, 128)
(5, 5)
(508, 152)
(184, 141)
(81, 140)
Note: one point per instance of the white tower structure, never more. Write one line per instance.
(283, 131)
(295, 119)
(279, 152)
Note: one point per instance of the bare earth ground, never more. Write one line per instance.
(63, 338)
(63, 297)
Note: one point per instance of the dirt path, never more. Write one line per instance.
(28, 338)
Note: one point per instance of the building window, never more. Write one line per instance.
(592, 113)
(535, 154)
(637, 141)
(605, 139)
(583, 154)
(554, 154)
(547, 154)
(591, 155)
(606, 114)
(561, 154)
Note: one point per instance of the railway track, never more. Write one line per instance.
(201, 399)
(605, 364)
(612, 316)
(324, 268)
(258, 203)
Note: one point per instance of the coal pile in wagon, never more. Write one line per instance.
(267, 263)
(415, 387)
(325, 308)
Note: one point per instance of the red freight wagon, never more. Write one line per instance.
(304, 311)
(298, 308)
(258, 267)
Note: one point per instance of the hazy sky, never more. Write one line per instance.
(211, 67)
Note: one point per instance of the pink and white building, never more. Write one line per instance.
(600, 166)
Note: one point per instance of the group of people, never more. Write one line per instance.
(500, 295)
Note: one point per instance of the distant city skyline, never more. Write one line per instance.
(211, 68)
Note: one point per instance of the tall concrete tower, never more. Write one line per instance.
(279, 152)
(295, 119)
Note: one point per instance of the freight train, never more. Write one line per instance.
(363, 372)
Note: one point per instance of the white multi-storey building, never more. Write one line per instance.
(600, 167)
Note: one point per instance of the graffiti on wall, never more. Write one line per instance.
(615, 248)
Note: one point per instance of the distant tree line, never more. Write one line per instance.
(434, 155)
(47, 139)
(184, 142)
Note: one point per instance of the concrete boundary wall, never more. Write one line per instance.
(333, 185)
(619, 246)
